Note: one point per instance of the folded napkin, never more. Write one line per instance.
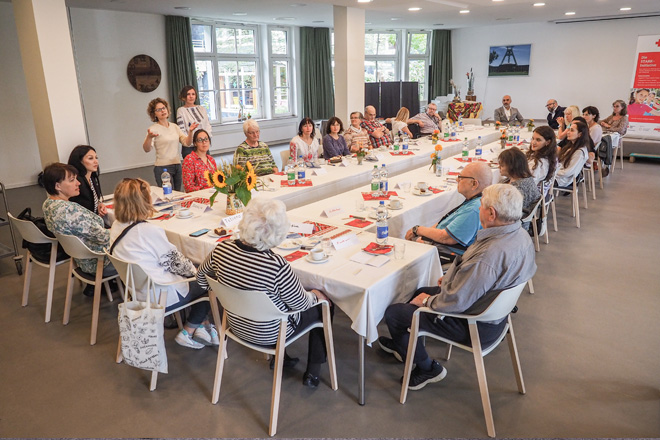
(375, 248)
(286, 183)
(435, 190)
(450, 140)
(453, 173)
(359, 223)
(188, 203)
(368, 196)
(226, 237)
(402, 153)
(295, 256)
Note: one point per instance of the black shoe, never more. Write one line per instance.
(606, 171)
(387, 345)
(309, 380)
(113, 285)
(419, 378)
(289, 362)
(89, 290)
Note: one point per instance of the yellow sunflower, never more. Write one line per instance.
(207, 177)
(250, 180)
(249, 166)
(219, 179)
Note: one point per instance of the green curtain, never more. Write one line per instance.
(441, 62)
(316, 73)
(180, 58)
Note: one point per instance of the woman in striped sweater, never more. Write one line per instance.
(249, 263)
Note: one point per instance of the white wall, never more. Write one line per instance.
(19, 152)
(581, 63)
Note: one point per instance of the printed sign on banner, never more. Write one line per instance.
(644, 104)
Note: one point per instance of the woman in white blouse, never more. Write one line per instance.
(574, 154)
(191, 114)
(145, 244)
(542, 154)
(305, 144)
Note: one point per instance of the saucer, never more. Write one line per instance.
(290, 245)
(417, 192)
(183, 217)
(313, 261)
(389, 206)
(379, 253)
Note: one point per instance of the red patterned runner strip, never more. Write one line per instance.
(188, 203)
(285, 183)
(340, 234)
(319, 229)
(357, 223)
(402, 153)
(368, 196)
(471, 159)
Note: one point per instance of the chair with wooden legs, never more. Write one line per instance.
(619, 146)
(77, 249)
(32, 234)
(573, 189)
(137, 282)
(500, 307)
(531, 219)
(256, 306)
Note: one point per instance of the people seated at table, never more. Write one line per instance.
(194, 165)
(379, 135)
(515, 170)
(542, 155)
(574, 154)
(334, 143)
(305, 144)
(145, 244)
(249, 263)
(458, 228)
(554, 111)
(591, 115)
(429, 120)
(190, 113)
(69, 218)
(570, 112)
(617, 122)
(84, 159)
(501, 257)
(400, 123)
(165, 137)
(356, 136)
(507, 114)
(254, 151)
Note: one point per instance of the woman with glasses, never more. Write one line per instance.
(618, 120)
(355, 135)
(165, 137)
(195, 164)
(191, 114)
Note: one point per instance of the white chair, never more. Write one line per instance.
(499, 307)
(590, 177)
(619, 146)
(138, 282)
(256, 306)
(531, 218)
(32, 234)
(577, 180)
(284, 155)
(77, 249)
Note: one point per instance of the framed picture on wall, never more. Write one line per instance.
(509, 60)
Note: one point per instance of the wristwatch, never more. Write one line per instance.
(414, 230)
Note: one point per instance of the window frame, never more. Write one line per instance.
(426, 57)
(381, 58)
(290, 60)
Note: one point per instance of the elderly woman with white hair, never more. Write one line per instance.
(254, 151)
(249, 263)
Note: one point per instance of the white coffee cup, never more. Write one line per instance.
(395, 203)
(422, 186)
(184, 212)
(317, 254)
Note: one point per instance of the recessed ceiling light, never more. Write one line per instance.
(298, 5)
(365, 1)
(539, 4)
(464, 11)
(240, 14)
(625, 8)
(394, 18)
(182, 8)
(284, 18)
(498, 0)
(438, 24)
(569, 13)
(414, 9)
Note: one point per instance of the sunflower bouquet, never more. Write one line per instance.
(232, 179)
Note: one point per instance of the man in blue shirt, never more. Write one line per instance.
(458, 229)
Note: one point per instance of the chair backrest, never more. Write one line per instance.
(131, 274)
(501, 305)
(29, 231)
(75, 247)
(284, 155)
(250, 304)
(530, 216)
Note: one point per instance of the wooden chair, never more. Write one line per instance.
(531, 218)
(499, 307)
(256, 306)
(132, 275)
(577, 181)
(32, 234)
(77, 249)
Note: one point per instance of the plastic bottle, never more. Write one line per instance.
(478, 150)
(465, 152)
(404, 142)
(301, 169)
(453, 134)
(382, 230)
(167, 182)
(397, 142)
(375, 182)
(291, 171)
(459, 123)
(383, 180)
(438, 166)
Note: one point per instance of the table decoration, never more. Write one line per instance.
(435, 156)
(530, 125)
(236, 182)
(298, 183)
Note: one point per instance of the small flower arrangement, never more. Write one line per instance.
(229, 178)
(361, 152)
(435, 135)
(498, 124)
(503, 135)
(435, 155)
(530, 124)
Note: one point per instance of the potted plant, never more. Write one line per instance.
(236, 182)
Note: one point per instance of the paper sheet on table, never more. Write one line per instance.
(370, 260)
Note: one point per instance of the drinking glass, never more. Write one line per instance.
(399, 250)
(326, 244)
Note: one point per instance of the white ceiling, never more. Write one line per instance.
(435, 14)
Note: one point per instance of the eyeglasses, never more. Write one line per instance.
(549, 105)
(161, 109)
(200, 139)
(459, 177)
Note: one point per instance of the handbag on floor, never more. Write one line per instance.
(141, 330)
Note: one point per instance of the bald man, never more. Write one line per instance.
(379, 135)
(554, 111)
(507, 114)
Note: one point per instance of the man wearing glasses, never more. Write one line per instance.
(555, 111)
(458, 228)
(429, 120)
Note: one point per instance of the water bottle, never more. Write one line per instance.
(478, 151)
(517, 132)
(382, 231)
(465, 152)
(397, 142)
(438, 166)
(459, 123)
(291, 172)
(446, 136)
(453, 134)
(301, 169)
(375, 182)
(167, 182)
(404, 143)
(383, 180)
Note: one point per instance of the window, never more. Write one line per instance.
(380, 56)
(281, 63)
(228, 70)
(418, 60)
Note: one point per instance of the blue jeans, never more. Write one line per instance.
(199, 311)
(175, 174)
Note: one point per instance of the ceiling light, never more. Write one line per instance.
(414, 9)
(318, 21)
(569, 13)
(182, 8)
(284, 18)
(298, 5)
(464, 11)
(438, 24)
(394, 18)
(498, 0)
(365, 1)
(240, 14)
(539, 4)
(626, 8)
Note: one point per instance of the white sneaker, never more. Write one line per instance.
(215, 338)
(183, 338)
(204, 336)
